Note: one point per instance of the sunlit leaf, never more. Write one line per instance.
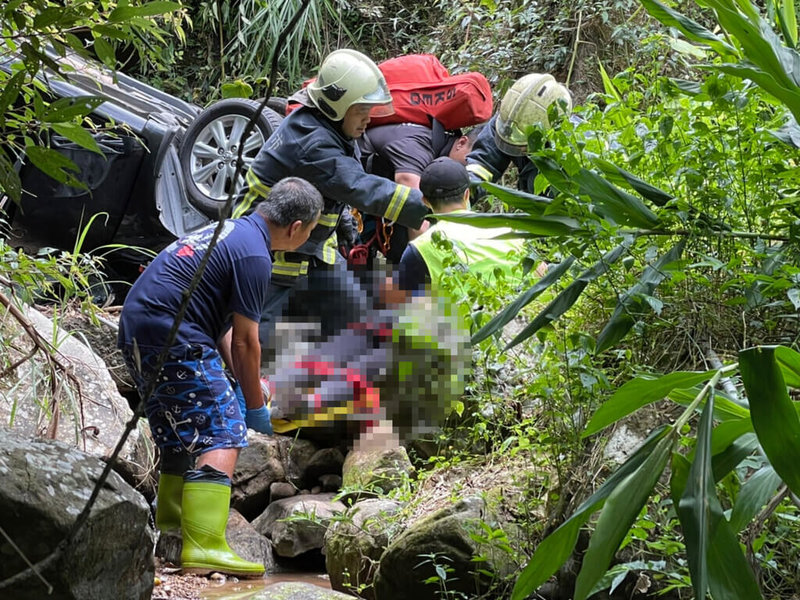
(755, 493)
(54, 164)
(543, 225)
(77, 134)
(529, 203)
(789, 362)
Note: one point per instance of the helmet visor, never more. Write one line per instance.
(381, 110)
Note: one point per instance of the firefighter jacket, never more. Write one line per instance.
(310, 146)
(486, 162)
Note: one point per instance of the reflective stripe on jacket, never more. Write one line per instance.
(310, 146)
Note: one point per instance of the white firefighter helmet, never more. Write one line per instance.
(526, 103)
(348, 77)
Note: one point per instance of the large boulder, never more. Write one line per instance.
(46, 485)
(355, 543)
(260, 464)
(377, 470)
(89, 413)
(297, 525)
(451, 539)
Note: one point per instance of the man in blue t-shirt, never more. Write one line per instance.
(194, 409)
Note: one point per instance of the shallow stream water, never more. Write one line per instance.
(241, 590)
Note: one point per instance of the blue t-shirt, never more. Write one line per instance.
(235, 280)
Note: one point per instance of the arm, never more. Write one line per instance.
(246, 359)
(412, 181)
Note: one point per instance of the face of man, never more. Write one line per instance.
(300, 234)
(461, 147)
(356, 120)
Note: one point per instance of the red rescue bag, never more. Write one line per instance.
(422, 90)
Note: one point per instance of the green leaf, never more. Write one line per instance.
(787, 19)
(632, 300)
(557, 547)
(620, 511)
(608, 85)
(694, 506)
(67, 109)
(773, 412)
(613, 203)
(755, 493)
(728, 459)
(639, 392)
(47, 17)
(9, 179)
(105, 52)
(554, 273)
(561, 303)
(691, 29)
(725, 408)
(789, 363)
(237, 89)
(150, 9)
(620, 176)
(543, 226)
(77, 134)
(11, 89)
(528, 203)
(54, 164)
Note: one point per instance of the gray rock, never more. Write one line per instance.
(330, 483)
(296, 454)
(377, 470)
(296, 525)
(46, 484)
(297, 591)
(260, 465)
(327, 461)
(354, 545)
(91, 418)
(280, 490)
(446, 534)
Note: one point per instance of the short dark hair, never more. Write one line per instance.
(473, 133)
(291, 199)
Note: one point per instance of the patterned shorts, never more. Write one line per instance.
(193, 408)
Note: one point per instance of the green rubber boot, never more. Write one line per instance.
(205, 515)
(168, 505)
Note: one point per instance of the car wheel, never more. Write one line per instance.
(210, 148)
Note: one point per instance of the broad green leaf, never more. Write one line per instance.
(787, 19)
(47, 17)
(66, 109)
(150, 9)
(543, 226)
(620, 176)
(619, 512)
(691, 29)
(728, 432)
(77, 134)
(755, 493)
(529, 203)
(631, 301)
(789, 363)
(773, 412)
(561, 303)
(557, 547)
(728, 459)
(54, 164)
(789, 134)
(694, 506)
(725, 408)
(237, 89)
(554, 273)
(639, 392)
(105, 52)
(10, 92)
(789, 95)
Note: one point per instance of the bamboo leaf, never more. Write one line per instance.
(620, 176)
(620, 511)
(725, 408)
(755, 493)
(773, 412)
(561, 303)
(543, 226)
(639, 392)
(727, 460)
(694, 506)
(608, 85)
(631, 301)
(554, 273)
(557, 547)
(613, 203)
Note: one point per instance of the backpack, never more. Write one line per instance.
(424, 92)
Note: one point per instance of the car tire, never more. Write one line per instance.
(210, 148)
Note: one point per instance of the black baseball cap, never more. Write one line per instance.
(444, 179)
